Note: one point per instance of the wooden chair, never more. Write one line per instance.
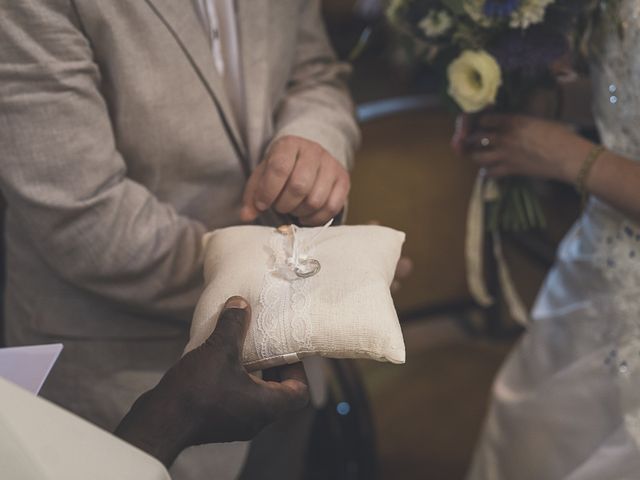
(407, 177)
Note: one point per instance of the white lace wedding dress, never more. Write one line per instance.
(566, 404)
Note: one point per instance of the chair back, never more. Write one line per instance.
(407, 177)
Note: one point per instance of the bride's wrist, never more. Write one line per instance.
(573, 161)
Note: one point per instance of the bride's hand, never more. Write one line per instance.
(520, 145)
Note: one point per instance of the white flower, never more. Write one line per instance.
(475, 9)
(436, 23)
(474, 80)
(528, 13)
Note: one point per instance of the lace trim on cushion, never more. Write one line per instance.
(283, 322)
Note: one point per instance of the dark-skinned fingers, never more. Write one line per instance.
(271, 374)
(293, 372)
(285, 372)
(334, 205)
(280, 163)
(282, 397)
(301, 181)
(231, 328)
(321, 190)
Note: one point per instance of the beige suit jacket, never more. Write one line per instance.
(119, 149)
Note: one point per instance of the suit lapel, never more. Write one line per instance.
(253, 23)
(181, 18)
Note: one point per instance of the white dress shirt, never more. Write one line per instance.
(220, 21)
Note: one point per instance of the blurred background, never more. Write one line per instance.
(420, 420)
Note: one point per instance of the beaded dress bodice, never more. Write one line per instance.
(615, 76)
(615, 73)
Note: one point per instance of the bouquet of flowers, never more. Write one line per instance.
(491, 54)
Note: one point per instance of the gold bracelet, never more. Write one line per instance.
(585, 170)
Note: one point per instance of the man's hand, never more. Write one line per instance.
(300, 178)
(208, 397)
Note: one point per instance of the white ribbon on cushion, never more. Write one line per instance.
(486, 190)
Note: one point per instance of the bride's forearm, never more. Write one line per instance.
(616, 180)
(612, 178)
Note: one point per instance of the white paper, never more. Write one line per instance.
(28, 367)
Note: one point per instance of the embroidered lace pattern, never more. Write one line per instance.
(284, 302)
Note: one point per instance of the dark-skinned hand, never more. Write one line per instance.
(208, 397)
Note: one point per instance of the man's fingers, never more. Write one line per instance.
(333, 206)
(232, 327)
(301, 182)
(285, 372)
(289, 394)
(249, 212)
(279, 165)
(293, 372)
(319, 194)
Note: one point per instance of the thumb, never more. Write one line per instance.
(231, 329)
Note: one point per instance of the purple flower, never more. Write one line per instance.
(500, 8)
(530, 51)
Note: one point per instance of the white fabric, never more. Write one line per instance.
(486, 190)
(474, 243)
(566, 404)
(220, 21)
(344, 311)
(41, 441)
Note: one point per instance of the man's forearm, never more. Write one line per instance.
(158, 426)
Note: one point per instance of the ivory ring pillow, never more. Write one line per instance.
(313, 291)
